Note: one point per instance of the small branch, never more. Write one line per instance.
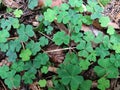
(23, 45)
(3, 85)
(56, 50)
(45, 35)
(100, 4)
(12, 38)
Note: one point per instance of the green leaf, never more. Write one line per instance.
(110, 30)
(60, 37)
(50, 15)
(3, 71)
(28, 77)
(40, 59)
(4, 34)
(18, 66)
(25, 32)
(106, 68)
(84, 64)
(89, 36)
(116, 47)
(14, 22)
(103, 83)
(48, 3)
(104, 2)
(18, 13)
(76, 37)
(49, 29)
(44, 69)
(12, 56)
(76, 3)
(104, 21)
(86, 85)
(43, 41)
(34, 47)
(99, 38)
(13, 81)
(25, 55)
(42, 83)
(32, 4)
(63, 17)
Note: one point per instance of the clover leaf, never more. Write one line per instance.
(40, 59)
(110, 30)
(69, 75)
(25, 54)
(103, 83)
(42, 83)
(34, 47)
(44, 69)
(25, 32)
(4, 34)
(84, 64)
(3, 71)
(104, 21)
(50, 15)
(18, 13)
(76, 3)
(106, 68)
(28, 77)
(60, 37)
(32, 4)
(13, 81)
(86, 85)
(43, 41)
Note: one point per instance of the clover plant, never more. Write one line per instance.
(25, 47)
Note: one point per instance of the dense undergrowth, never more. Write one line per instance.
(25, 46)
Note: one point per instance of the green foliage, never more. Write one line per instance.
(32, 4)
(50, 15)
(69, 75)
(25, 32)
(106, 68)
(18, 13)
(104, 21)
(4, 34)
(103, 83)
(104, 2)
(26, 47)
(110, 30)
(42, 83)
(25, 54)
(61, 38)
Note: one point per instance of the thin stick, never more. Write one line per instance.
(56, 50)
(45, 35)
(100, 4)
(3, 85)
(12, 38)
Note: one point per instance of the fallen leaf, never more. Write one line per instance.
(10, 3)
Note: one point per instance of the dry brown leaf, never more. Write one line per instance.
(56, 56)
(10, 3)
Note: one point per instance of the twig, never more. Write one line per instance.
(3, 85)
(12, 38)
(45, 35)
(100, 4)
(56, 50)
(23, 45)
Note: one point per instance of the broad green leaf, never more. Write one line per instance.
(3, 71)
(76, 3)
(44, 69)
(12, 56)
